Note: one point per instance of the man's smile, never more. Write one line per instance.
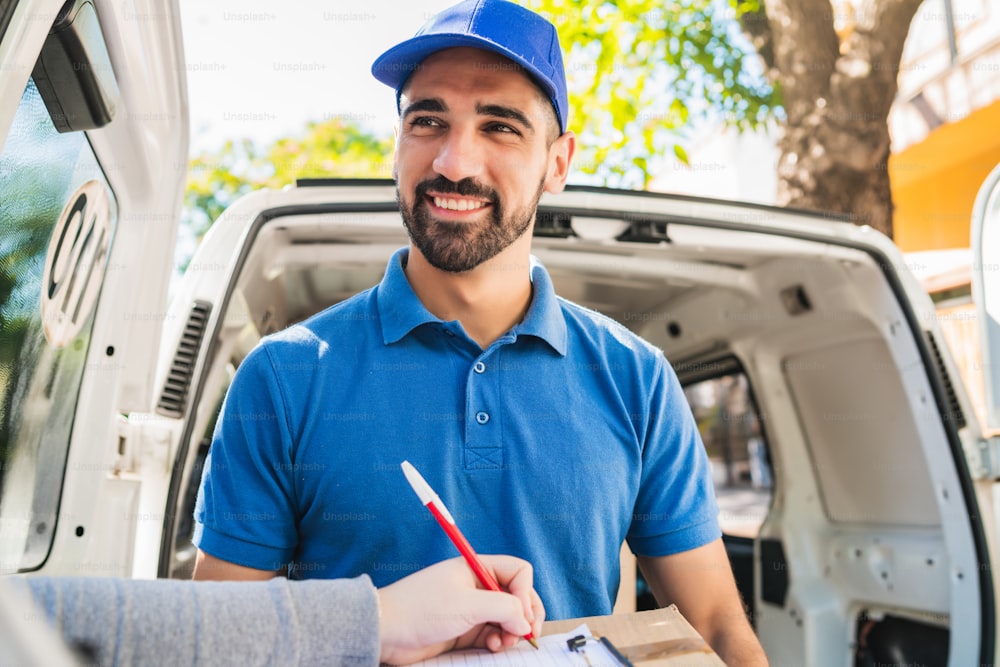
(452, 203)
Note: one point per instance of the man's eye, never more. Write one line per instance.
(502, 128)
(424, 121)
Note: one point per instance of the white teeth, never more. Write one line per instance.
(458, 204)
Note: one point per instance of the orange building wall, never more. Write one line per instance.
(934, 183)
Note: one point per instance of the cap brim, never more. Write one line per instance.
(396, 65)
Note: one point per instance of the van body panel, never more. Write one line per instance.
(103, 497)
(985, 236)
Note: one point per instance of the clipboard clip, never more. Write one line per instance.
(578, 643)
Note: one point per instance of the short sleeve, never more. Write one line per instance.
(675, 508)
(245, 511)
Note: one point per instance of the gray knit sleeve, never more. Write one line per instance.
(169, 622)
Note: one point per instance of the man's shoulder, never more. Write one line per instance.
(333, 323)
(605, 331)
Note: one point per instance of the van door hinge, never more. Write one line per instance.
(989, 458)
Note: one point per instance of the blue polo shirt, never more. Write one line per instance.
(564, 437)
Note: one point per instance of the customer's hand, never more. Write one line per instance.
(443, 607)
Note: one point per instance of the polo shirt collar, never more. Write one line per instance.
(401, 311)
(544, 318)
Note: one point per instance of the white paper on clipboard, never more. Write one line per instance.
(553, 651)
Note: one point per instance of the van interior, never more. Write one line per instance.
(833, 448)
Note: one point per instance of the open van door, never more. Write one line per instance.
(93, 158)
(805, 345)
(985, 237)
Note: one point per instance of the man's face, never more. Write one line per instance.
(474, 153)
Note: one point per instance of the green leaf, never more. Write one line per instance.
(681, 154)
(330, 148)
(636, 68)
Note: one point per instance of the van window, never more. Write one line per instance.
(731, 429)
(40, 171)
(722, 402)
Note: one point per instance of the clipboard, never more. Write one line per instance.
(656, 638)
(560, 649)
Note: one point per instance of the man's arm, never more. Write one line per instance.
(700, 582)
(210, 568)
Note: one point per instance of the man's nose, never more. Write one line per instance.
(460, 155)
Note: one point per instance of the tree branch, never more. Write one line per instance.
(757, 29)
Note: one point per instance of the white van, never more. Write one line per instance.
(858, 488)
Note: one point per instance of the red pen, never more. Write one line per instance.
(447, 521)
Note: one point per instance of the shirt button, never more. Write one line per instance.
(482, 417)
(480, 367)
(449, 332)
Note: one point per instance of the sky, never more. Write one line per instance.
(263, 69)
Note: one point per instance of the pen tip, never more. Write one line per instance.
(533, 642)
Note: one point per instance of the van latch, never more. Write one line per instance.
(989, 458)
(144, 441)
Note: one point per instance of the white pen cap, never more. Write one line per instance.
(424, 490)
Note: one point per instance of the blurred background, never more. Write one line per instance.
(885, 113)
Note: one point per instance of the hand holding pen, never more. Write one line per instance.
(532, 604)
(444, 608)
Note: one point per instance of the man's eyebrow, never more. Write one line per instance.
(433, 104)
(501, 111)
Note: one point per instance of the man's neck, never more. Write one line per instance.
(487, 300)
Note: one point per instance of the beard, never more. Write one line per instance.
(462, 246)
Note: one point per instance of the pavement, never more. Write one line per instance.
(742, 509)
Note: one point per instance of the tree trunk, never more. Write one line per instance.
(838, 84)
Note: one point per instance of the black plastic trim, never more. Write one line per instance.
(7, 8)
(341, 182)
(73, 72)
(955, 416)
(174, 393)
(773, 572)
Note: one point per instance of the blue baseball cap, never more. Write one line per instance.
(494, 25)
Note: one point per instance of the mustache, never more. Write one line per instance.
(466, 187)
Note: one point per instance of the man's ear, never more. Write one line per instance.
(560, 156)
(395, 150)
